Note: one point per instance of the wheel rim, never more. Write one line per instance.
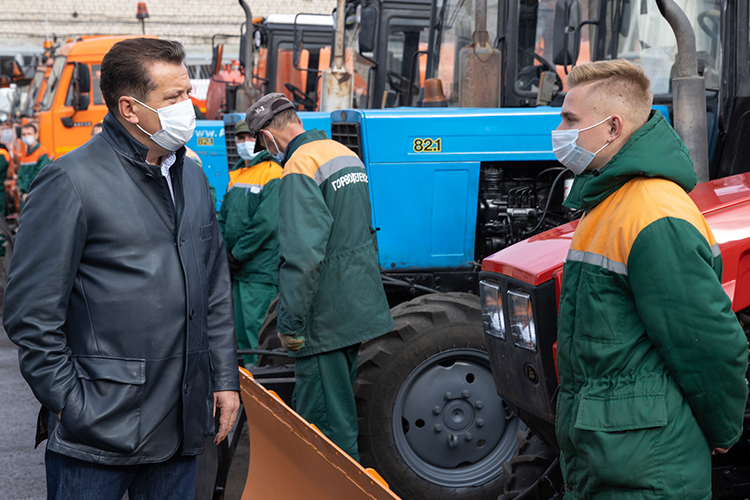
(450, 426)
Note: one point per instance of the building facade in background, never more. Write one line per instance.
(25, 25)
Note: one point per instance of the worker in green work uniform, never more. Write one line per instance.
(32, 161)
(331, 296)
(249, 222)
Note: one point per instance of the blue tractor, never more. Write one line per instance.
(452, 185)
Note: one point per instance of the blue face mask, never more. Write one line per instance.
(567, 152)
(279, 157)
(245, 150)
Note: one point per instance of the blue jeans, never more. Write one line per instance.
(72, 479)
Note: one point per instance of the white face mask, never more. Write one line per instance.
(177, 124)
(245, 150)
(29, 140)
(567, 152)
(279, 156)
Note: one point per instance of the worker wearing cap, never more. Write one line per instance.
(249, 221)
(331, 296)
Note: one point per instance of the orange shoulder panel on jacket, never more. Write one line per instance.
(610, 229)
(310, 156)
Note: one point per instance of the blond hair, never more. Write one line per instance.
(622, 85)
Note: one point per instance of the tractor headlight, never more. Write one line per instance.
(522, 319)
(492, 309)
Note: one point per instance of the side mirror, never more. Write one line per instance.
(567, 18)
(83, 78)
(298, 37)
(81, 87)
(368, 27)
(216, 58)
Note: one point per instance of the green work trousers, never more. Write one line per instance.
(324, 395)
(251, 301)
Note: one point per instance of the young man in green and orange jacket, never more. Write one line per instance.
(651, 358)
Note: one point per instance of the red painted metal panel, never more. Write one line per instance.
(724, 202)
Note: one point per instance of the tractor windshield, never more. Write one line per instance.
(610, 29)
(646, 38)
(404, 68)
(454, 25)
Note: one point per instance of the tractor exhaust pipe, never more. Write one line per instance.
(688, 90)
(248, 94)
(336, 83)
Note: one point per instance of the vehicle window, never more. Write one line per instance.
(649, 41)
(358, 63)
(36, 84)
(536, 42)
(96, 91)
(455, 23)
(303, 80)
(96, 74)
(52, 81)
(405, 38)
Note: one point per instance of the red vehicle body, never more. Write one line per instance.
(527, 380)
(725, 203)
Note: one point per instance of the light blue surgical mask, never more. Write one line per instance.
(567, 152)
(279, 156)
(245, 150)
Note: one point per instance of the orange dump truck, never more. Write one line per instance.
(72, 102)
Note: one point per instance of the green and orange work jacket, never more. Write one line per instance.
(249, 219)
(651, 358)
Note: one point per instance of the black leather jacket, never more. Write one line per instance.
(120, 303)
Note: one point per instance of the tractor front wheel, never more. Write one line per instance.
(430, 420)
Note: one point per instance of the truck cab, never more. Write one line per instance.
(72, 102)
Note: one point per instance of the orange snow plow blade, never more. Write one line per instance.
(290, 458)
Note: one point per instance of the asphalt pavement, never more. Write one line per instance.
(21, 466)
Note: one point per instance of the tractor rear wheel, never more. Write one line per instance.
(430, 420)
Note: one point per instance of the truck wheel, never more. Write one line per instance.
(530, 461)
(430, 420)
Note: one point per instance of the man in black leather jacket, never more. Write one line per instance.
(119, 295)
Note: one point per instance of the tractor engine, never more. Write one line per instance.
(518, 200)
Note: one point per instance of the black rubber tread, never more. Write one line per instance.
(530, 460)
(425, 326)
(267, 338)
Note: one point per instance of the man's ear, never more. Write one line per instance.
(616, 128)
(125, 105)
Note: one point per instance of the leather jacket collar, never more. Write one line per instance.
(127, 145)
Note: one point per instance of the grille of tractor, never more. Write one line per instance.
(232, 156)
(347, 133)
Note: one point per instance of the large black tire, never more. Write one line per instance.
(530, 461)
(430, 420)
(267, 338)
